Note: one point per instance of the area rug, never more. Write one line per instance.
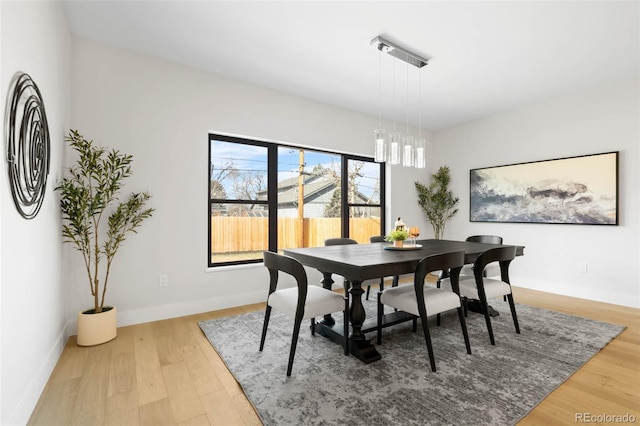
(495, 385)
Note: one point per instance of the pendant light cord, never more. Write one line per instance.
(394, 96)
(379, 89)
(407, 99)
(419, 104)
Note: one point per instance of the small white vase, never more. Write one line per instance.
(398, 243)
(95, 329)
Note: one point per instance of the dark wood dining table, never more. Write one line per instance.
(360, 262)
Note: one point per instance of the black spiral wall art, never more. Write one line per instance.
(28, 149)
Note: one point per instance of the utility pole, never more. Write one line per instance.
(300, 223)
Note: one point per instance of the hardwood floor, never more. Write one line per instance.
(167, 373)
(608, 384)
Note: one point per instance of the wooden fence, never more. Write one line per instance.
(248, 234)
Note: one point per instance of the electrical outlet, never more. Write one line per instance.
(163, 280)
(582, 267)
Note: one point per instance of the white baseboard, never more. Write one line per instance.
(604, 295)
(157, 313)
(28, 401)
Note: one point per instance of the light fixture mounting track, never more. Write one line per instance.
(396, 51)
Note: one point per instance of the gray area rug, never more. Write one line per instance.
(496, 385)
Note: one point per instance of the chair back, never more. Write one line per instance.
(339, 241)
(276, 262)
(376, 239)
(487, 239)
(453, 261)
(504, 255)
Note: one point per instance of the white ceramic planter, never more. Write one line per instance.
(94, 329)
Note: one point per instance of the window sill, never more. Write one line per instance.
(234, 267)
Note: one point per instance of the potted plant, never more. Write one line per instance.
(397, 236)
(88, 198)
(437, 201)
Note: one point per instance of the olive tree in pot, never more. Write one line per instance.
(437, 201)
(89, 196)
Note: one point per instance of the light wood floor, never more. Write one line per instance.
(167, 373)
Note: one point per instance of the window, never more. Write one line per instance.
(364, 184)
(268, 196)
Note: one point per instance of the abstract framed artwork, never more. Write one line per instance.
(28, 145)
(573, 190)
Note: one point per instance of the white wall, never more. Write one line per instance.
(35, 39)
(161, 113)
(599, 120)
(1, 239)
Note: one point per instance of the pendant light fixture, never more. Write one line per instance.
(398, 150)
(379, 134)
(421, 143)
(394, 137)
(407, 140)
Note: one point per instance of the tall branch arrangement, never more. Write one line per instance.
(88, 196)
(437, 201)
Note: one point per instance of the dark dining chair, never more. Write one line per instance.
(396, 278)
(301, 302)
(346, 283)
(467, 270)
(423, 300)
(483, 288)
(486, 239)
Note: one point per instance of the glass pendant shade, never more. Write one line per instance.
(419, 160)
(394, 148)
(407, 151)
(380, 147)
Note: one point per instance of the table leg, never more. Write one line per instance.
(359, 346)
(327, 283)
(356, 311)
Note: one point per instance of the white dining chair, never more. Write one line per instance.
(467, 270)
(301, 302)
(483, 288)
(423, 300)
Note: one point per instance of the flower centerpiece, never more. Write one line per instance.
(399, 233)
(397, 236)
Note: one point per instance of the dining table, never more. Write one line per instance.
(360, 262)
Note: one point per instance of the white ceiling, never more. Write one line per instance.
(485, 56)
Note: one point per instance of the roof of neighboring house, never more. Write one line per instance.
(314, 186)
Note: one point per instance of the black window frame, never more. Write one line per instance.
(272, 191)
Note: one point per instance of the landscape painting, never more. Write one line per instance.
(575, 190)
